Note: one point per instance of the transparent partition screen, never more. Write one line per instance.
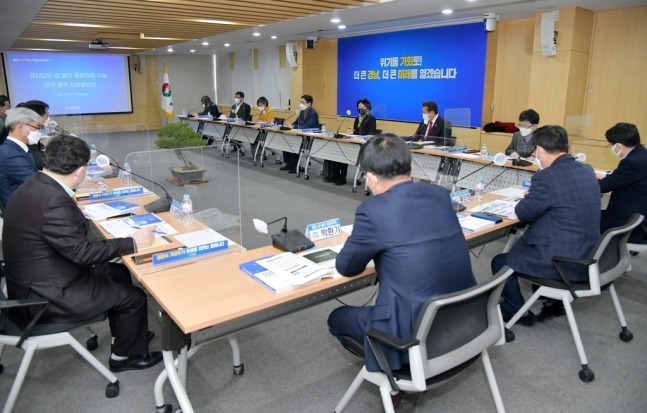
(212, 183)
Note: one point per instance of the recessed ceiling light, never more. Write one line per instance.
(341, 27)
(192, 50)
(335, 20)
(273, 36)
(448, 11)
(205, 43)
(256, 33)
(227, 45)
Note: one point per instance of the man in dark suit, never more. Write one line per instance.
(16, 163)
(432, 124)
(239, 110)
(417, 255)
(308, 119)
(521, 143)
(628, 182)
(48, 255)
(562, 208)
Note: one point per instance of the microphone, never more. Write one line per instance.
(116, 164)
(194, 109)
(288, 118)
(161, 205)
(523, 162)
(292, 240)
(337, 134)
(580, 157)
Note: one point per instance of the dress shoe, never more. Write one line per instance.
(550, 311)
(286, 166)
(139, 362)
(397, 398)
(526, 320)
(292, 170)
(340, 181)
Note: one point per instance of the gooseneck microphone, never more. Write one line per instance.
(288, 118)
(337, 134)
(161, 205)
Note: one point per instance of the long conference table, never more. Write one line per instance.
(211, 292)
(441, 166)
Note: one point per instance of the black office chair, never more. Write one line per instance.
(359, 174)
(608, 261)
(451, 332)
(36, 336)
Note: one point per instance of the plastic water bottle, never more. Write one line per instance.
(93, 153)
(323, 130)
(127, 177)
(480, 188)
(187, 210)
(484, 151)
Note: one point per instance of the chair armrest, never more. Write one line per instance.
(557, 261)
(391, 341)
(374, 338)
(29, 302)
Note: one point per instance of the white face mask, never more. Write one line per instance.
(613, 150)
(538, 161)
(237, 101)
(425, 118)
(525, 131)
(261, 108)
(34, 137)
(302, 106)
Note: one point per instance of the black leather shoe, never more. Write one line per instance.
(292, 170)
(340, 181)
(397, 398)
(550, 311)
(526, 320)
(286, 166)
(140, 362)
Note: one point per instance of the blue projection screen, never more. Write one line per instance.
(71, 84)
(398, 71)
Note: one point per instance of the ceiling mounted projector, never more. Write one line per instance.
(99, 45)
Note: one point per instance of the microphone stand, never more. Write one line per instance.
(288, 118)
(337, 134)
(292, 240)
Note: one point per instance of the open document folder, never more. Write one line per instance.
(303, 268)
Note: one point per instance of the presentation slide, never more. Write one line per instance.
(71, 84)
(398, 71)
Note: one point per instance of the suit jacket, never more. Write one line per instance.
(519, 144)
(629, 185)
(367, 127)
(212, 110)
(417, 254)
(48, 254)
(563, 210)
(439, 129)
(308, 119)
(244, 111)
(16, 166)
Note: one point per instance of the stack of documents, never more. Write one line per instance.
(472, 224)
(108, 209)
(126, 227)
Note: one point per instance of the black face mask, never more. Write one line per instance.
(362, 111)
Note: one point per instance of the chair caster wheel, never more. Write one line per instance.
(354, 190)
(254, 163)
(167, 408)
(298, 175)
(586, 375)
(222, 154)
(226, 155)
(239, 370)
(306, 177)
(509, 336)
(112, 390)
(278, 162)
(92, 343)
(626, 335)
(262, 164)
(367, 193)
(358, 183)
(265, 158)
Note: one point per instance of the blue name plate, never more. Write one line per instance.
(325, 229)
(117, 193)
(525, 184)
(189, 252)
(463, 195)
(457, 149)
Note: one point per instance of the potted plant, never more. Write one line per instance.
(178, 135)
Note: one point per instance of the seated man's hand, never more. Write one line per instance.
(514, 155)
(287, 125)
(350, 131)
(144, 237)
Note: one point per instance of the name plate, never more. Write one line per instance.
(176, 209)
(462, 196)
(454, 149)
(323, 230)
(117, 193)
(189, 252)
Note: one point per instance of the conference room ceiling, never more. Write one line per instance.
(151, 26)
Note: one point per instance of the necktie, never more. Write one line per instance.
(431, 125)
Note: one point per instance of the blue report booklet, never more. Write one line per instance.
(144, 220)
(266, 277)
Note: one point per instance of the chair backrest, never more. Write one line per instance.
(454, 328)
(611, 253)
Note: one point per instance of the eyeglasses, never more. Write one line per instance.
(32, 126)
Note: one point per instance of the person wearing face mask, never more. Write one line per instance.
(16, 163)
(562, 208)
(208, 108)
(365, 124)
(48, 255)
(239, 110)
(36, 150)
(417, 255)
(265, 115)
(308, 119)
(432, 124)
(5, 104)
(521, 140)
(628, 182)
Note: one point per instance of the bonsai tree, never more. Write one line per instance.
(178, 135)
